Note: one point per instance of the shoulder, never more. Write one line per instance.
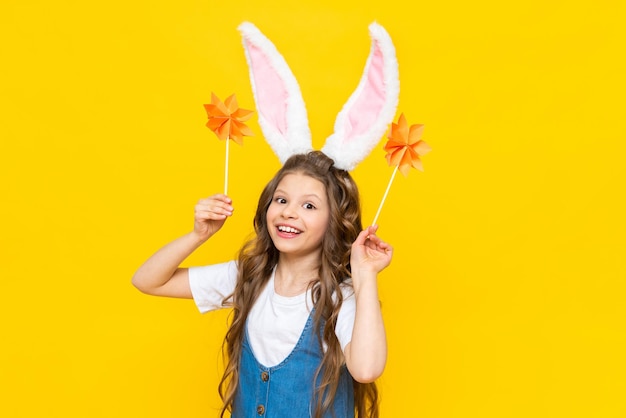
(347, 313)
(211, 284)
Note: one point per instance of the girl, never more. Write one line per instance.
(307, 335)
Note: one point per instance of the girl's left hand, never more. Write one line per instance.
(370, 253)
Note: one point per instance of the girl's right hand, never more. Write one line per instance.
(210, 215)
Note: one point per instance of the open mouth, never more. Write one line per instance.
(288, 230)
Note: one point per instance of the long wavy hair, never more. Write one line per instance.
(257, 259)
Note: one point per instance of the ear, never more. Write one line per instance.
(366, 115)
(281, 110)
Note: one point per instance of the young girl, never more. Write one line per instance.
(307, 335)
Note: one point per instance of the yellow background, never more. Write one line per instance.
(506, 294)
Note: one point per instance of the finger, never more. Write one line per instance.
(376, 244)
(216, 199)
(222, 197)
(212, 214)
(374, 240)
(362, 237)
(383, 246)
(217, 206)
(371, 230)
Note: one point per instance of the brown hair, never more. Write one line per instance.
(258, 257)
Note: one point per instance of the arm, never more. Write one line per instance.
(366, 353)
(160, 274)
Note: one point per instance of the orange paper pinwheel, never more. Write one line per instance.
(404, 150)
(227, 119)
(405, 146)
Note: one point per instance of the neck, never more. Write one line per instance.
(293, 276)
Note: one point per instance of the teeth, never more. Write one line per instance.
(288, 229)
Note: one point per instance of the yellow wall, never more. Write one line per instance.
(506, 294)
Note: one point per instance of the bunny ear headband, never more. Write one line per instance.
(282, 114)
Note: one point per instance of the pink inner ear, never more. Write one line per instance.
(271, 93)
(371, 100)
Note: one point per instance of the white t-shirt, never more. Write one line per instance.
(275, 322)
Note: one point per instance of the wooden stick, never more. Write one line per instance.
(226, 167)
(385, 195)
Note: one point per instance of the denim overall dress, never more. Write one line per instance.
(287, 390)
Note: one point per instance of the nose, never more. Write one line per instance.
(289, 211)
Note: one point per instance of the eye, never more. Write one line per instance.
(309, 206)
(280, 200)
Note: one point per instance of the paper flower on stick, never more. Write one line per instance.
(405, 146)
(227, 119)
(404, 149)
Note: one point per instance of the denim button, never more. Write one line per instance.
(265, 376)
(260, 409)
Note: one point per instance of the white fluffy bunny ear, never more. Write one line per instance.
(281, 109)
(366, 115)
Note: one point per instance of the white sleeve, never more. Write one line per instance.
(345, 320)
(211, 284)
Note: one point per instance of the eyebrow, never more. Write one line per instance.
(306, 195)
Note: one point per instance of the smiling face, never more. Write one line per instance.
(298, 216)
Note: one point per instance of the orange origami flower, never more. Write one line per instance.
(405, 147)
(226, 119)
